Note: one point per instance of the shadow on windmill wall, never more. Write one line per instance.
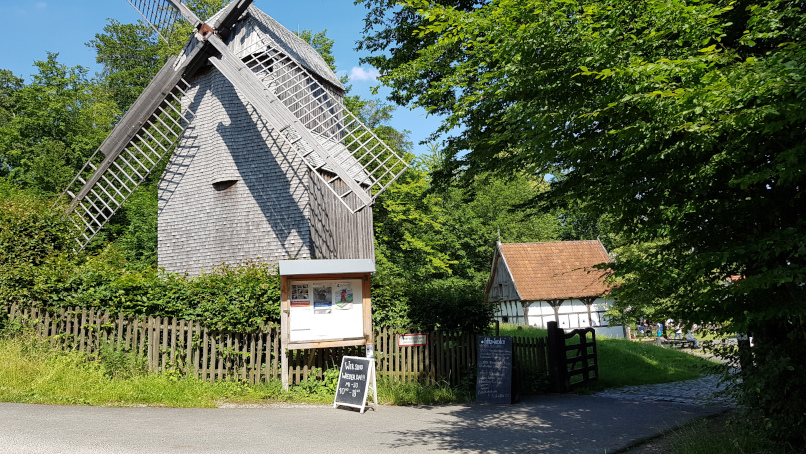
(275, 181)
(230, 194)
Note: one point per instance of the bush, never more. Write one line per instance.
(35, 239)
(227, 298)
(32, 229)
(449, 304)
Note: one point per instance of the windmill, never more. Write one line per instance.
(265, 161)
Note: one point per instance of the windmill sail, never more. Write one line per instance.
(340, 150)
(161, 15)
(354, 159)
(142, 138)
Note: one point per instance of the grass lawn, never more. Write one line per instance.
(624, 362)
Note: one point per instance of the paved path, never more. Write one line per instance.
(605, 422)
(702, 391)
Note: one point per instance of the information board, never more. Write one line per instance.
(323, 310)
(494, 372)
(356, 377)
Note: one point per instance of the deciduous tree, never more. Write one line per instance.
(684, 122)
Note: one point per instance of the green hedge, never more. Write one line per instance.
(39, 268)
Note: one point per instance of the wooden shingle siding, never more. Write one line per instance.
(261, 217)
(257, 25)
(235, 191)
(335, 232)
(503, 287)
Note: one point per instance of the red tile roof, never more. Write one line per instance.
(556, 270)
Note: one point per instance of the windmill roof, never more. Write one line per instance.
(293, 46)
(556, 270)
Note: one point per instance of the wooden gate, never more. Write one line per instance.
(572, 362)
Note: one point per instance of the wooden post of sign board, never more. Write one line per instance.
(367, 307)
(284, 331)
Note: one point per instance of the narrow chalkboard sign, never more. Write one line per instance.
(356, 377)
(494, 371)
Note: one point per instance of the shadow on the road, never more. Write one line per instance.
(568, 424)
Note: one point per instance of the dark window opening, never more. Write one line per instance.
(224, 185)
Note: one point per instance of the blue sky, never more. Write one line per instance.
(34, 27)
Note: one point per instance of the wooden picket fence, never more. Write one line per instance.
(254, 357)
(446, 358)
(530, 360)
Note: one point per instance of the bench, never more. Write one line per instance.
(680, 343)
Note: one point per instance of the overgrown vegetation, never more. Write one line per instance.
(31, 371)
(721, 434)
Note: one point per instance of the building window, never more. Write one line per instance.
(224, 185)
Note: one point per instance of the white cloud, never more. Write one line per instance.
(41, 6)
(364, 75)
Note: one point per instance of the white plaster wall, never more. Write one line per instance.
(572, 314)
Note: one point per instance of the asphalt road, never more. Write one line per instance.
(553, 423)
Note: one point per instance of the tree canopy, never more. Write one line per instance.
(682, 122)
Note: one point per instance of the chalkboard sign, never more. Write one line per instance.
(356, 376)
(494, 377)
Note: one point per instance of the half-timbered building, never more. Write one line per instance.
(534, 283)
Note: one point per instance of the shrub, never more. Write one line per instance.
(449, 304)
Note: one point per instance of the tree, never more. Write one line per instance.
(434, 244)
(53, 124)
(682, 122)
(131, 55)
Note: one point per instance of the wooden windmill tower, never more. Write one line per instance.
(266, 163)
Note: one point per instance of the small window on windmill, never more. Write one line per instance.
(224, 185)
(225, 178)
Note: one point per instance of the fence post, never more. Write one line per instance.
(556, 351)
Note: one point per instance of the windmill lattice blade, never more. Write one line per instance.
(160, 14)
(110, 177)
(367, 159)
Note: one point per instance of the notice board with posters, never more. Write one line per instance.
(325, 303)
(322, 310)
